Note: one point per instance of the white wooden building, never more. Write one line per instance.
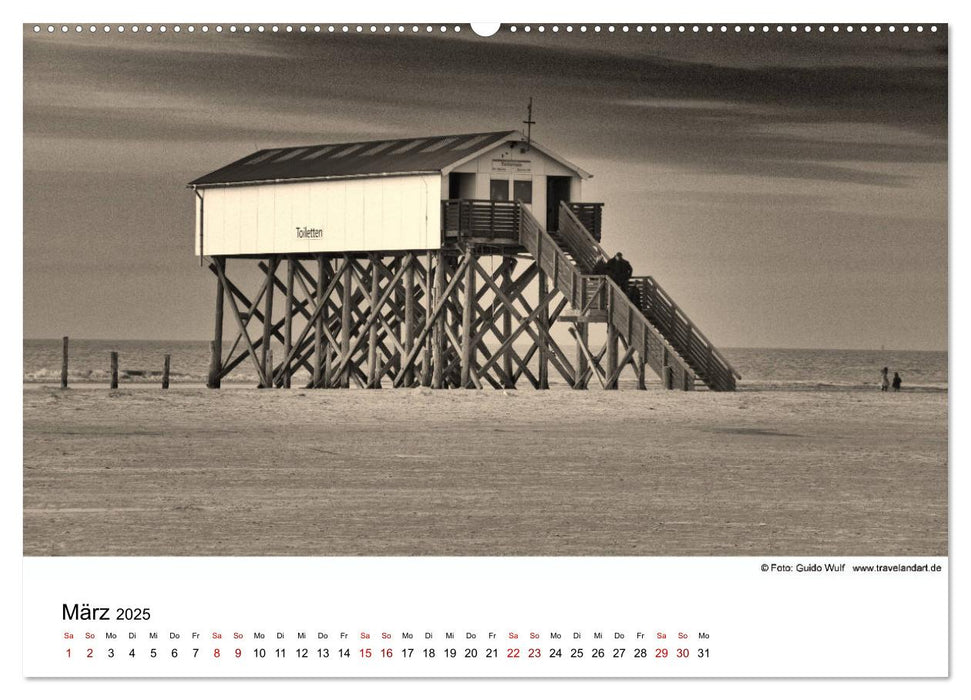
(372, 196)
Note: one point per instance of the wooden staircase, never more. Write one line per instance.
(652, 323)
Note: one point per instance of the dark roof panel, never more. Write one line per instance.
(384, 157)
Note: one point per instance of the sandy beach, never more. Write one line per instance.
(140, 471)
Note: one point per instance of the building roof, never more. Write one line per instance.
(428, 154)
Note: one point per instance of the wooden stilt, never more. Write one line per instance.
(166, 365)
(319, 359)
(582, 335)
(345, 379)
(543, 324)
(266, 358)
(507, 357)
(612, 353)
(373, 332)
(288, 323)
(215, 361)
(438, 328)
(426, 375)
(611, 341)
(408, 335)
(114, 369)
(667, 372)
(468, 301)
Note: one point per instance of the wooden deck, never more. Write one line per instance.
(495, 221)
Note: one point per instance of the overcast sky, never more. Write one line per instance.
(789, 190)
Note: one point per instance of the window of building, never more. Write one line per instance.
(499, 190)
(522, 190)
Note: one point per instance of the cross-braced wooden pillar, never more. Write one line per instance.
(265, 357)
(468, 306)
(544, 332)
(508, 266)
(321, 374)
(288, 323)
(215, 361)
(448, 319)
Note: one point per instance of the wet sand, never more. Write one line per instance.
(240, 471)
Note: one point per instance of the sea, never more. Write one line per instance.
(762, 369)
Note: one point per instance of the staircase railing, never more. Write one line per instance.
(584, 248)
(671, 320)
(658, 308)
(622, 314)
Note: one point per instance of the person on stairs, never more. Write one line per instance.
(620, 271)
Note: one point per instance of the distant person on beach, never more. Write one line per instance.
(896, 381)
(885, 379)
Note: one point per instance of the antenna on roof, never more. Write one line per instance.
(529, 123)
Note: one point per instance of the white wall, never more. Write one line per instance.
(364, 214)
(505, 163)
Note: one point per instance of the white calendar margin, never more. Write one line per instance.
(701, 10)
(770, 624)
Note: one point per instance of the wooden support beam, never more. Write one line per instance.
(508, 265)
(480, 327)
(313, 322)
(215, 360)
(611, 380)
(582, 336)
(373, 318)
(543, 326)
(524, 326)
(468, 306)
(436, 321)
(267, 325)
(320, 358)
(288, 323)
(437, 313)
(611, 340)
(250, 350)
(409, 321)
(426, 282)
(255, 314)
(372, 360)
(345, 374)
(247, 314)
(557, 357)
(594, 365)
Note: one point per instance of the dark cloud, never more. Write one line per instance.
(115, 125)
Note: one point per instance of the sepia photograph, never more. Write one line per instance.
(326, 290)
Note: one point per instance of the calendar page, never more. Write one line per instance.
(538, 350)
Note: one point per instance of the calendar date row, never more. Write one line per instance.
(367, 653)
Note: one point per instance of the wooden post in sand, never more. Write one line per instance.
(611, 342)
(114, 369)
(216, 346)
(64, 365)
(165, 371)
(214, 368)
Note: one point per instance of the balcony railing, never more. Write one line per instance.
(480, 218)
(590, 214)
(490, 219)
